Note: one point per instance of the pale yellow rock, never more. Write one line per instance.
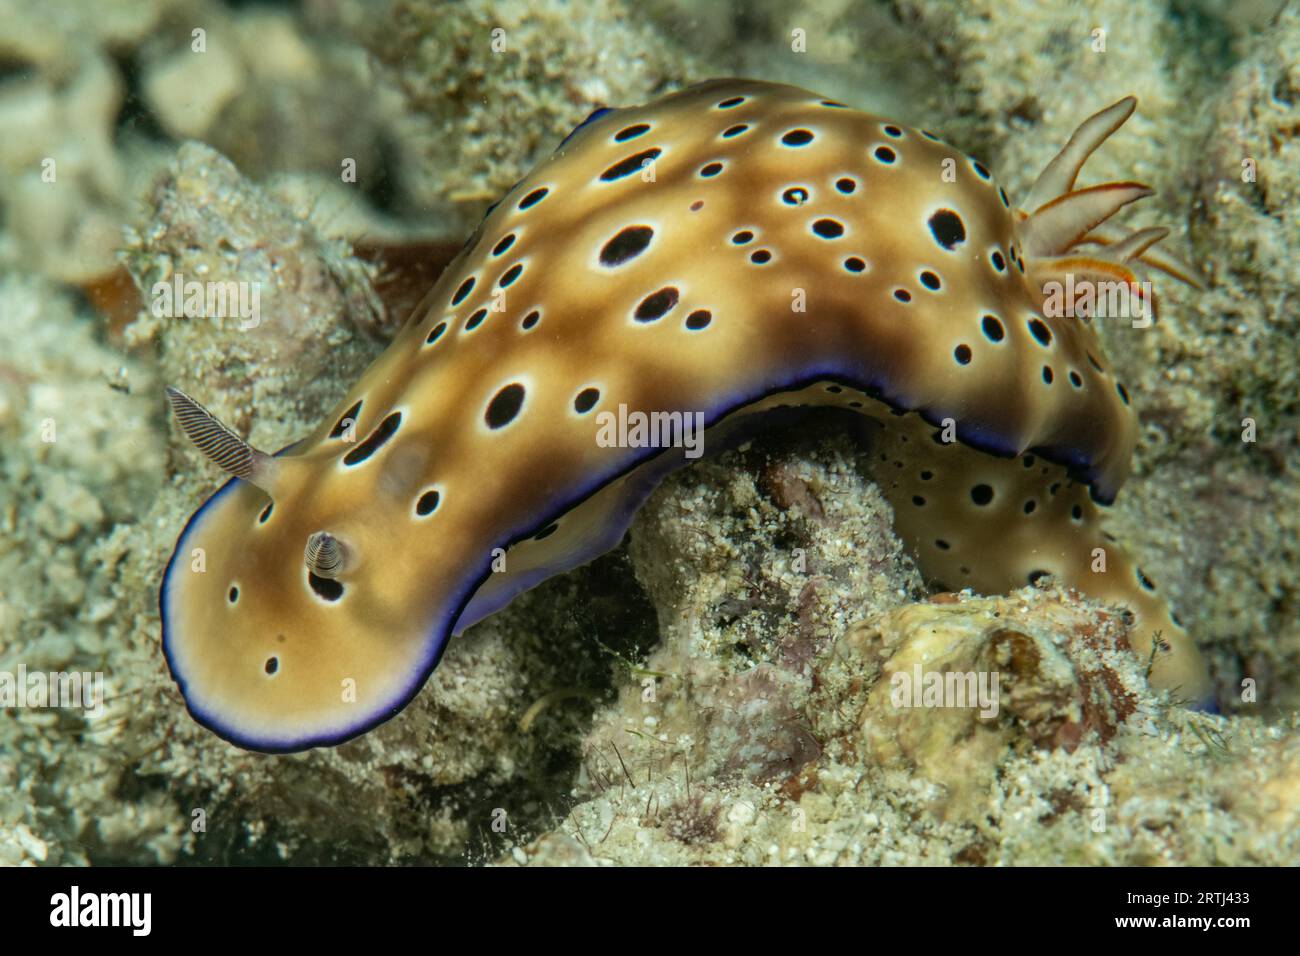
(188, 90)
(961, 684)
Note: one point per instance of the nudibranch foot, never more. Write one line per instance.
(996, 524)
(673, 276)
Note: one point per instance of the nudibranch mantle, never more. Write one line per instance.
(727, 252)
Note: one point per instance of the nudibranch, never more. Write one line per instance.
(722, 255)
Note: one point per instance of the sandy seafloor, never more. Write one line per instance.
(695, 696)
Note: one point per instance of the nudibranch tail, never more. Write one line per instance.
(1094, 272)
(1113, 237)
(1056, 226)
(219, 444)
(1059, 175)
(1061, 218)
(1136, 243)
(675, 276)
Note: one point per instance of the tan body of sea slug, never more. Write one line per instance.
(648, 272)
